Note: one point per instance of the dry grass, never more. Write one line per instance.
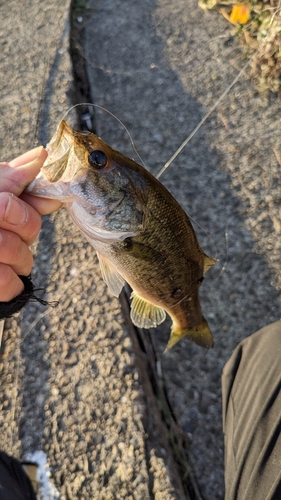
(260, 37)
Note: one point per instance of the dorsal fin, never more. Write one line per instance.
(144, 314)
(208, 262)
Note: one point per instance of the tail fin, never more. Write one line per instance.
(200, 334)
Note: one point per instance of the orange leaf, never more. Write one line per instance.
(240, 14)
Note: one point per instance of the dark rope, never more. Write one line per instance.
(8, 309)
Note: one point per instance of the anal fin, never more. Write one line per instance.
(144, 314)
(112, 278)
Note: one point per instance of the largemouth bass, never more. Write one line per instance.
(139, 231)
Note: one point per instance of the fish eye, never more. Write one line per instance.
(97, 159)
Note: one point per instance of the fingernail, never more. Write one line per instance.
(16, 212)
(38, 152)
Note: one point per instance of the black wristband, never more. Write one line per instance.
(7, 309)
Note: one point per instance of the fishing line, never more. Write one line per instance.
(207, 234)
(114, 116)
(226, 235)
(185, 142)
(182, 146)
(134, 148)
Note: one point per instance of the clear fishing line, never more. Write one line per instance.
(182, 146)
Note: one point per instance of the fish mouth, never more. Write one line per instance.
(50, 183)
(58, 152)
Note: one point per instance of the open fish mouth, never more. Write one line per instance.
(58, 152)
(57, 172)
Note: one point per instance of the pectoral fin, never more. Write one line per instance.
(112, 278)
(200, 334)
(208, 262)
(144, 314)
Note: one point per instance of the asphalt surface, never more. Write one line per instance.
(71, 384)
(159, 67)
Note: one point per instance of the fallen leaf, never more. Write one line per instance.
(240, 14)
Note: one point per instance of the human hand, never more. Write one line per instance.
(20, 220)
